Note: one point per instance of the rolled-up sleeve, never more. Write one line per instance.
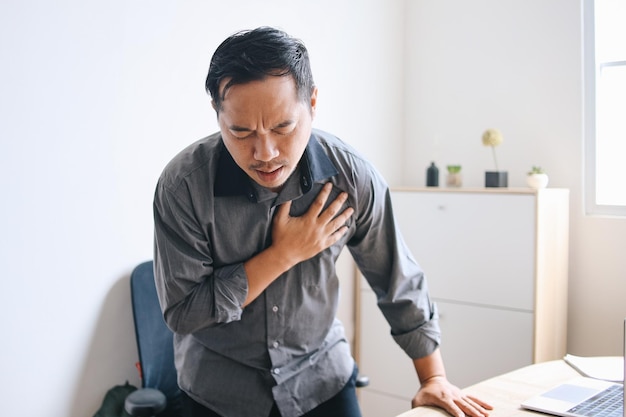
(193, 293)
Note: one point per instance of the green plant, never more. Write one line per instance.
(536, 170)
(454, 169)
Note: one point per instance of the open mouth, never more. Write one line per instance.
(270, 176)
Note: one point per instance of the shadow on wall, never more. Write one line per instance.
(112, 353)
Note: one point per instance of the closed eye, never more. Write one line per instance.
(240, 132)
(285, 128)
(282, 129)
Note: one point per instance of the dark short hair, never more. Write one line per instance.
(253, 55)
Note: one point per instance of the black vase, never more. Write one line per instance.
(432, 176)
(496, 179)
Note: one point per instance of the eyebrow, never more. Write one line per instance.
(237, 128)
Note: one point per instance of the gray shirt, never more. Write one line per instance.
(286, 346)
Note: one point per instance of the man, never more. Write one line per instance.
(248, 225)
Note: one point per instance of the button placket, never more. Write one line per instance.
(275, 317)
(275, 344)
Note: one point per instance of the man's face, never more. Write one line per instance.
(266, 128)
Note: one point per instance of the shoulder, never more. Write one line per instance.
(333, 145)
(347, 159)
(196, 162)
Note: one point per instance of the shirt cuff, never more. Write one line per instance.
(231, 290)
(423, 340)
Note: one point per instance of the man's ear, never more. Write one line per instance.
(313, 101)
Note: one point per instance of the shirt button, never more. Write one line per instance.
(275, 345)
(275, 309)
(276, 371)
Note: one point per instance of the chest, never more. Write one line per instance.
(237, 229)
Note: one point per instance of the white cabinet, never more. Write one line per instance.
(496, 263)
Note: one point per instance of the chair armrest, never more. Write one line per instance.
(145, 402)
(362, 381)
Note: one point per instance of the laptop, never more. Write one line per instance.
(582, 397)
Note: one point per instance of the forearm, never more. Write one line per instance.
(430, 367)
(221, 296)
(263, 269)
(195, 295)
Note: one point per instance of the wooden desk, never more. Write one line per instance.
(507, 391)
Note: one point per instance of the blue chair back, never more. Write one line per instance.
(154, 339)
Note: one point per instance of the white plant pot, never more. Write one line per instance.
(537, 181)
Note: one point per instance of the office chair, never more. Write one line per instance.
(159, 395)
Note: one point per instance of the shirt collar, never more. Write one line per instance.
(231, 180)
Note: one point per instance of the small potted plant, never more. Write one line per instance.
(454, 178)
(497, 178)
(537, 178)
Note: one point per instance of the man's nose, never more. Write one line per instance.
(265, 148)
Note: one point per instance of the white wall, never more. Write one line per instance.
(96, 98)
(515, 65)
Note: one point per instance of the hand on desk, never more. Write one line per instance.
(439, 392)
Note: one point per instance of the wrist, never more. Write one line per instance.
(433, 378)
(282, 260)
